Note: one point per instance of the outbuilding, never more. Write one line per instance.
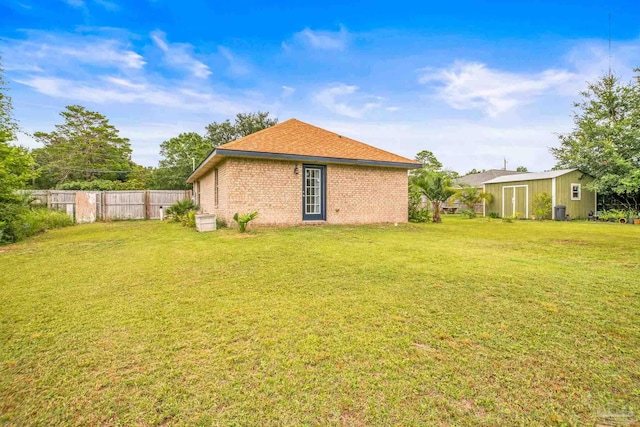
(473, 180)
(297, 173)
(514, 194)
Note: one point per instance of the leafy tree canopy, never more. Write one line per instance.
(605, 141)
(16, 169)
(8, 125)
(245, 124)
(180, 153)
(16, 164)
(85, 147)
(428, 160)
(522, 169)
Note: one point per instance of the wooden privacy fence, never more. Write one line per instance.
(89, 206)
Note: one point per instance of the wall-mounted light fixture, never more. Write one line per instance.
(296, 170)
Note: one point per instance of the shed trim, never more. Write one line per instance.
(553, 198)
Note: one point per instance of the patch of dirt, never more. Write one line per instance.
(240, 236)
(424, 347)
(571, 242)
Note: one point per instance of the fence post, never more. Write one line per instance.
(99, 213)
(147, 205)
(49, 199)
(103, 196)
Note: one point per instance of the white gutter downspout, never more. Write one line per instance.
(553, 198)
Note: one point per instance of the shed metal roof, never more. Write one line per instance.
(529, 176)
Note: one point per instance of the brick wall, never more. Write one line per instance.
(204, 190)
(363, 195)
(207, 189)
(355, 194)
(268, 186)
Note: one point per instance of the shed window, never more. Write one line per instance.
(575, 192)
(215, 179)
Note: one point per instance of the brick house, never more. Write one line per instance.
(296, 173)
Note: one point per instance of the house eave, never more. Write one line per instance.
(217, 155)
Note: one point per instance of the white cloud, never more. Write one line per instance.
(392, 109)
(237, 67)
(108, 5)
(591, 59)
(180, 55)
(323, 40)
(125, 83)
(82, 4)
(287, 91)
(471, 85)
(65, 51)
(333, 99)
(118, 90)
(460, 144)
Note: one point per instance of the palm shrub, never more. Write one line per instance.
(435, 186)
(244, 219)
(184, 212)
(470, 196)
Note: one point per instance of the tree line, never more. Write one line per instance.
(87, 152)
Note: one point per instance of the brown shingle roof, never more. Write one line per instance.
(294, 139)
(299, 138)
(477, 179)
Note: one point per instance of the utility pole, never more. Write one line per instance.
(505, 164)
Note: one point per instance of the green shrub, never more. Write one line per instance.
(468, 213)
(18, 221)
(183, 212)
(419, 215)
(244, 219)
(417, 212)
(615, 215)
(11, 226)
(51, 219)
(542, 205)
(189, 220)
(220, 222)
(494, 215)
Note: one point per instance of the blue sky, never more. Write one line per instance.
(474, 82)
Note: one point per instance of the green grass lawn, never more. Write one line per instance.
(471, 322)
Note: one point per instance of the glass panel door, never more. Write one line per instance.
(313, 193)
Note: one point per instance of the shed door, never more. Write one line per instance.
(521, 201)
(515, 199)
(508, 201)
